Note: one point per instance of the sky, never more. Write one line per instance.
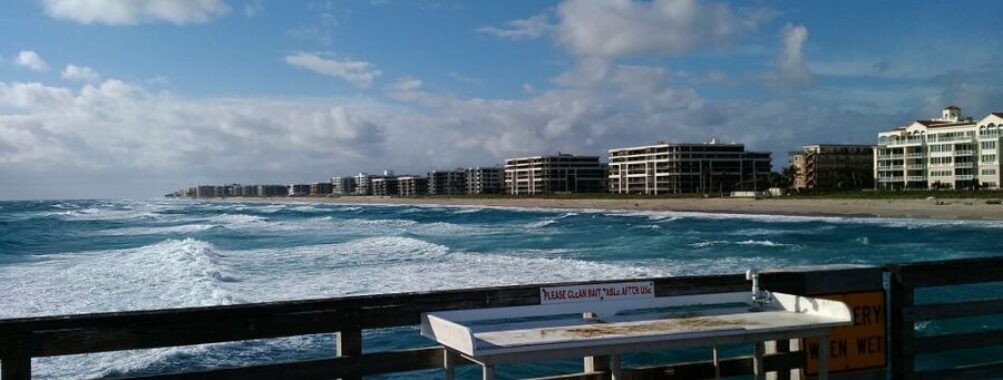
(138, 98)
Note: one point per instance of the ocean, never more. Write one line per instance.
(66, 257)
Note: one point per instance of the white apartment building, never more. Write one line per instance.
(686, 168)
(343, 185)
(562, 173)
(485, 180)
(950, 152)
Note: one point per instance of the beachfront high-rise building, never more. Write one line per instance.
(686, 168)
(832, 167)
(249, 191)
(489, 180)
(299, 190)
(343, 185)
(364, 183)
(562, 173)
(949, 152)
(321, 188)
(272, 190)
(447, 182)
(409, 186)
(384, 186)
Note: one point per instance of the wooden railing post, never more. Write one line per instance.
(15, 356)
(349, 343)
(903, 361)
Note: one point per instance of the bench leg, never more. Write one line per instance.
(615, 367)
(717, 364)
(449, 364)
(823, 357)
(489, 372)
(759, 373)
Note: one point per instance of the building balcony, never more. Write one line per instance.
(967, 177)
(964, 152)
(954, 139)
(916, 178)
(916, 167)
(891, 168)
(964, 165)
(890, 179)
(890, 157)
(916, 155)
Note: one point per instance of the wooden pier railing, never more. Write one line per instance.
(27, 338)
(906, 280)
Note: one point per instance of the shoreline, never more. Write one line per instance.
(950, 209)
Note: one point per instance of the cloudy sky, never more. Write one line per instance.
(115, 98)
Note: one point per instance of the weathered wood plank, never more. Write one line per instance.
(941, 343)
(951, 272)
(902, 331)
(979, 371)
(15, 358)
(952, 310)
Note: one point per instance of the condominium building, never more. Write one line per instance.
(321, 188)
(272, 190)
(686, 168)
(384, 186)
(490, 180)
(447, 182)
(249, 191)
(562, 173)
(949, 152)
(205, 191)
(409, 186)
(364, 183)
(343, 185)
(299, 190)
(832, 167)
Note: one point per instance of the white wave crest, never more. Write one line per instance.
(158, 230)
(763, 243)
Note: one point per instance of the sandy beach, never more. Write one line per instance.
(965, 209)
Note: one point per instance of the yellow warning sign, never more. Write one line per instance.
(857, 347)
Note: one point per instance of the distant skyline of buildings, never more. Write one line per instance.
(951, 151)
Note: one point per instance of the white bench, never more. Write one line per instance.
(610, 327)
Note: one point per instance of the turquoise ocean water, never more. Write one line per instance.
(63, 257)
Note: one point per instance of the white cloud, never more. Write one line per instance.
(406, 84)
(791, 68)
(527, 28)
(618, 28)
(80, 74)
(31, 60)
(359, 73)
(131, 12)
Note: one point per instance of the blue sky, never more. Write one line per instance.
(105, 98)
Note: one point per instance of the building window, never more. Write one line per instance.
(988, 171)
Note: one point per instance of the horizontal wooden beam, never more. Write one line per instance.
(949, 272)
(973, 372)
(950, 310)
(951, 342)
